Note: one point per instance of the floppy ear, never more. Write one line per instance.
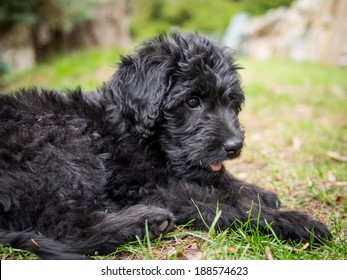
(140, 85)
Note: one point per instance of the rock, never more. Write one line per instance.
(21, 45)
(17, 48)
(235, 30)
(309, 30)
(109, 27)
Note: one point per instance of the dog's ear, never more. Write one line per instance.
(140, 85)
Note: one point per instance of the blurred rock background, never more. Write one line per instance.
(304, 30)
(308, 30)
(31, 30)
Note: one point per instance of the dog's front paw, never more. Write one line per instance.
(320, 232)
(158, 220)
(296, 227)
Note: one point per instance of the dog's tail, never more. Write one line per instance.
(42, 246)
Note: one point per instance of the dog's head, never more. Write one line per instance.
(183, 92)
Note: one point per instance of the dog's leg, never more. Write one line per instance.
(43, 247)
(103, 232)
(199, 203)
(287, 225)
(252, 192)
(99, 232)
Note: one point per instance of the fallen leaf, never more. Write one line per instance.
(268, 253)
(35, 243)
(337, 156)
(172, 252)
(297, 143)
(194, 246)
(305, 246)
(195, 256)
(242, 175)
(331, 177)
(233, 249)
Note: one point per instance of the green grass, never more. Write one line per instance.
(239, 242)
(88, 69)
(295, 114)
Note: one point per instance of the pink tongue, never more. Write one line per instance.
(215, 167)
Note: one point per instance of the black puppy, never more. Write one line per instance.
(84, 172)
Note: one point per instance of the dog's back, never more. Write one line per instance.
(45, 145)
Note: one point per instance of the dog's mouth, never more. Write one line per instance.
(216, 166)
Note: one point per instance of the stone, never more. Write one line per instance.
(309, 30)
(17, 48)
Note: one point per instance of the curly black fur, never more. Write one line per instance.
(83, 172)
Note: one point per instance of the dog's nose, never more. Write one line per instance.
(233, 146)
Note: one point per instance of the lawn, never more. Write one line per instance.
(296, 144)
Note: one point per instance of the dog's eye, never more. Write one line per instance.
(193, 102)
